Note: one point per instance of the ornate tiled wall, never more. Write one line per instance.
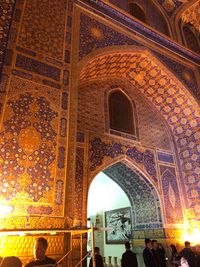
(99, 36)
(152, 130)
(169, 97)
(6, 13)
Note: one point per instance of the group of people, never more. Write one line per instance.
(155, 255)
(40, 259)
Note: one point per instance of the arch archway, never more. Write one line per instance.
(166, 93)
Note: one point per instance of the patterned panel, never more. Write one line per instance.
(79, 182)
(93, 112)
(28, 152)
(27, 149)
(100, 150)
(44, 22)
(173, 211)
(142, 195)
(169, 97)
(6, 12)
(38, 67)
(165, 157)
(98, 36)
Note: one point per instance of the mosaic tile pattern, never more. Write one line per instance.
(171, 100)
(142, 195)
(37, 67)
(134, 27)
(44, 22)
(185, 74)
(98, 36)
(99, 150)
(173, 211)
(79, 182)
(93, 112)
(27, 149)
(30, 170)
(6, 13)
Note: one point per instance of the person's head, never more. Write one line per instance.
(96, 250)
(187, 244)
(154, 244)
(173, 248)
(40, 248)
(148, 243)
(160, 246)
(127, 245)
(11, 262)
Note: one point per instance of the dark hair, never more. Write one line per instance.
(43, 241)
(147, 240)
(174, 250)
(187, 243)
(96, 249)
(11, 262)
(127, 245)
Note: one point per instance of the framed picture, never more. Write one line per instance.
(120, 223)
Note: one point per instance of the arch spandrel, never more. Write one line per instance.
(168, 96)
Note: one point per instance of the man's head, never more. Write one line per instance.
(40, 248)
(187, 244)
(127, 245)
(154, 244)
(96, 250)
(148, 243)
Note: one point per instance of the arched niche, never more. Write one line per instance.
(191, 39)
(137, 12)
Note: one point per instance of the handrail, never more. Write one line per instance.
(82, 259)
(64, 257)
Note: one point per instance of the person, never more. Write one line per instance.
(148, 257)
(184, 262)
(40, 248)
(155, 252)
(11, 262)
(129, 258)
(175, 258)
(188, 254)
(98, 258)
(161, 252)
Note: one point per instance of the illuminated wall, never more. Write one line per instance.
(59, 61)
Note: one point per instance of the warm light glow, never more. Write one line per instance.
(5, 210)
(192, 235)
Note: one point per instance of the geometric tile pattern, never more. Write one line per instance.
(6, 12)
(99, 35)
(146, 211)
(93, 112)
(31, 175)
(46, 34)
(99, 150)
(171, 195)
(27, 150)
(169, 97)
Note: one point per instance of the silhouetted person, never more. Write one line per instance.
(155, 252)
(148, 257)
(40, 248)
(129, 257)
(98, 258)
(188, 254)
(11, 262)
(161, 252)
